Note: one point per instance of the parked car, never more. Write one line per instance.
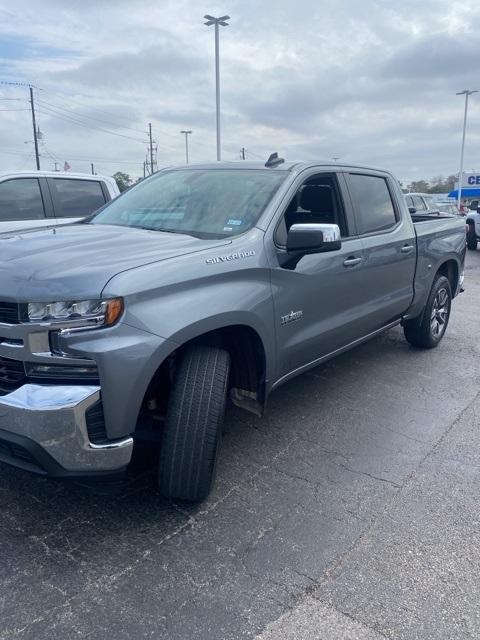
(421, 203)
(46, 198)
(447, 206)
(199, 285)
(473, 225)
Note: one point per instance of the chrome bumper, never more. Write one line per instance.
(53, 418)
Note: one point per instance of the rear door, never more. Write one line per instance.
(389, 246)
(24, 203)
(75, 199)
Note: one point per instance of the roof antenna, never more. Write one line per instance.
(274, 160)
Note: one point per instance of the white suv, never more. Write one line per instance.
(46, 198)
(473, 225)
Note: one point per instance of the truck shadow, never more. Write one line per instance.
(66, 524)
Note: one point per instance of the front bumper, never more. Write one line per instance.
(43, 429)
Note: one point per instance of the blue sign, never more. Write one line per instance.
(473, 180)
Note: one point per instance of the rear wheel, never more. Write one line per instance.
(430, 329)
(471, 238)
(193, 424)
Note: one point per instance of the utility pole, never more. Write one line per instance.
(217, 22)
(151, 147)
(186, 132)
(35, 140)
(242, 153)
(466, 93)
(92, 168)
(144, 169)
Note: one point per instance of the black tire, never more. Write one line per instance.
(193, 424)
(471, 238)
(428, 330)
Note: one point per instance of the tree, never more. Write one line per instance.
(418, 186)
(123, 180)
(437, 184)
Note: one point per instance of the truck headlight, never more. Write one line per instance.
(77, 313)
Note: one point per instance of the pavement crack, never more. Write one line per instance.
(368, 475)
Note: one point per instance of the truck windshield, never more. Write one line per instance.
(207, 203)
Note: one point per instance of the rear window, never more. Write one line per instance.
(21, 199)
(76, 198)
(373, 203)
(419, 204)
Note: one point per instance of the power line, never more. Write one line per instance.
(48, 111)
(81, 158)
(109, 113)
(68, 99)
(255, 155)
(79, 115)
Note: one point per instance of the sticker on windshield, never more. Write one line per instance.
(234, 222)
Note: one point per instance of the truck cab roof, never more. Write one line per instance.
(284, 166)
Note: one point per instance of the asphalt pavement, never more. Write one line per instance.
(349, 511)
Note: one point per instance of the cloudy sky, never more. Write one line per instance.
(369, 81)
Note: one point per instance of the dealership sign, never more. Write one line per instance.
(473, 180)
(470, 180)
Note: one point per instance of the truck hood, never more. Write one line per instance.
(78, 260)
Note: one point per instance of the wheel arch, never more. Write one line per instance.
(248, 366)
(450, 269)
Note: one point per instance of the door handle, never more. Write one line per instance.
(407, 248)
(351, 262)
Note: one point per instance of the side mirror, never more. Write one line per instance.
(412, 209)
(313, 238)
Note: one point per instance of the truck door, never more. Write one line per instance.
(389, 245)
(316, 301)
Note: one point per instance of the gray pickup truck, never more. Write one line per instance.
(200, 285)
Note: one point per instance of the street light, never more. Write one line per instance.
(186, 132)
(466, 93)
(217, 22)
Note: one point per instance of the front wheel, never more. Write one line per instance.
(193, 424)
(471, 238)
(430, 329)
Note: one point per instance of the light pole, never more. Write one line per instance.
(217, 22)
(187, 132)
(466, 93)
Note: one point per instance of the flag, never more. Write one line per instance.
(66, 166)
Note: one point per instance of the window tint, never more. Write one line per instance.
(373, 203)
(76, 198)
(419, 204)
(21, 199)
(317, 201)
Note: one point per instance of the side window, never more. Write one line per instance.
(409, 201)
(21, 199)
(373, 203)
(317, 201)
(419, 204)
(76, 198)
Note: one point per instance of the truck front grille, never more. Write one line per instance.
(9, 313)
(12, 375)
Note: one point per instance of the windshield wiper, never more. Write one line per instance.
(181, 233)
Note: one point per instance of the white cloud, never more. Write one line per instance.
(373, 81)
